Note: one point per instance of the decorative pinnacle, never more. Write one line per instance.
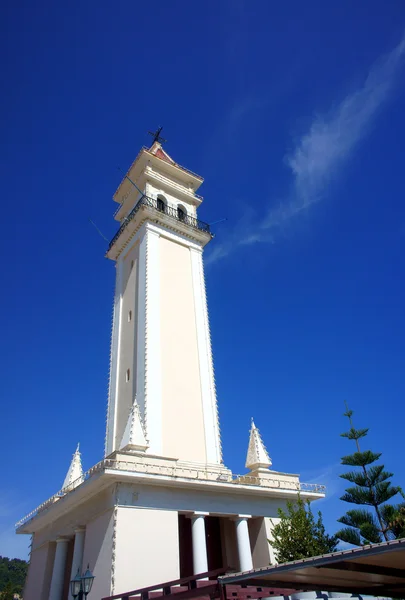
(74, 475)
(134, 435)
(257, 455)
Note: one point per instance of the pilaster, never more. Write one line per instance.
(149, 359)
(110, 442)
(208, 392)
(78, 549)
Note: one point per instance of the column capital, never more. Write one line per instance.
(197, 513)
(62, 539)
(241, 517)
(80, 528)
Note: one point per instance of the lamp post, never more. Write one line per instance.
(80, 586)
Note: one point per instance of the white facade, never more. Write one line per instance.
(161, 504)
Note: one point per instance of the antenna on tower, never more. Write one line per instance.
(219, 221)
(97, 229)
(130, 180)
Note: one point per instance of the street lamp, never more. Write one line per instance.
(80, 586)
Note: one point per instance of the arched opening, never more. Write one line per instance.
(181, 213)
(161, 204)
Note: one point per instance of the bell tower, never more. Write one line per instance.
(160, 505)
(161, 374)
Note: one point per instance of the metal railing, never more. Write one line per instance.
(207, 582)
(171, 211)
(179, 472)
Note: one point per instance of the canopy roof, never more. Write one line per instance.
(377, 570)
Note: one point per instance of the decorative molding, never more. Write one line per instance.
(114, 549)
(186, 236)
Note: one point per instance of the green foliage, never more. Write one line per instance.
(299, 535)
(371, 488)
(12, 575)
(8, 592)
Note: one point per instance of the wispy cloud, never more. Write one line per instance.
(328, 476)
(319, 155)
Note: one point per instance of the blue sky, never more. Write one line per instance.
(293, 113)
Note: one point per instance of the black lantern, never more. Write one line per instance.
(87, 580)
(80, 586)
(76, 585)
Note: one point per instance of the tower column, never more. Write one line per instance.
(78, 549)
(208, 394)
(58, 572)
(152, 389)
(243, 542)
(200, 561)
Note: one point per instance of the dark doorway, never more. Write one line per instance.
(68, 568)
(214, 547)
(186, 547)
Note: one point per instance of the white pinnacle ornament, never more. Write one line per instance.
(74, 475)
(134, 437)
(257, 455)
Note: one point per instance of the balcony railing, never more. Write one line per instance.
(170, 211)
(178, 472)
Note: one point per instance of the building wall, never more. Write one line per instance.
(269, 525)
(259, 542)
(146, 548)
(40, 572)
(202, 500)
(98, 552)
(182, 414)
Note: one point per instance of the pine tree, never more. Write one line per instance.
(298, 535)
(371, 488)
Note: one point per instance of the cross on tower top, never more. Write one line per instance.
(156, 136)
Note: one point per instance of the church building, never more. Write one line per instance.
(161, 504)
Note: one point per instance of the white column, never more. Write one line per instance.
(77, 562)
(200, 561)
(58, 572)
(243, 542)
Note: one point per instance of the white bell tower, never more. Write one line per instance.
(161, 359)
(160, 505)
